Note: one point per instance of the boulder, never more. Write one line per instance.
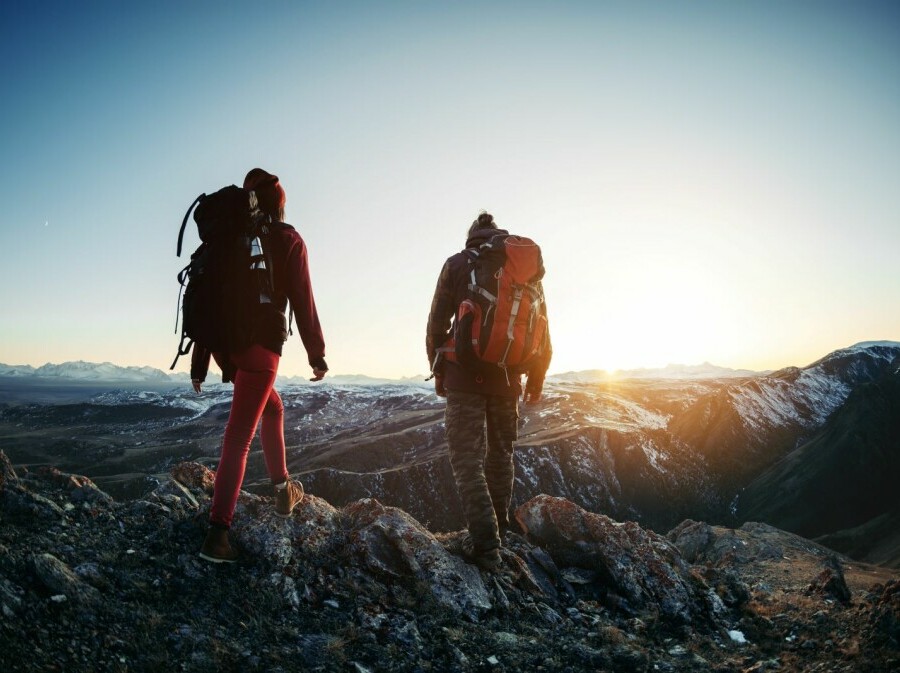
(313, 528)
(390, 543)
(639, 566)
(194, 475)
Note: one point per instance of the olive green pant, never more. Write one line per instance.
(481, 434)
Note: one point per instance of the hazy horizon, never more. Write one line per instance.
(708, 181)
(422, 375)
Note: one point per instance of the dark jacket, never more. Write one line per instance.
(451, 290)
(290, 270)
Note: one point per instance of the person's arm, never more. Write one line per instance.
(440, 322)
(536, 372)
(199, 367)
(300, 294)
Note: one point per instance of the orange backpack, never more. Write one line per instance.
(503, 320)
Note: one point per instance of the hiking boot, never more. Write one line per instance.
(288, 497)
(489, 561)
(486, 560)
(216, 547)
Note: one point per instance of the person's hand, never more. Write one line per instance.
(197, 385)
(318, 374)
(532, 397)
(439, 388)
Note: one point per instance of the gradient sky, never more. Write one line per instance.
(708, 180)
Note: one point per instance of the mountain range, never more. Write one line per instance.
(107, 371)
(810, 449)
(80, 370)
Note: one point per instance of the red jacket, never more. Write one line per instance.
(290, 269)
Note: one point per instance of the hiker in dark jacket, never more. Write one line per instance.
(482, 411)
(253, 371)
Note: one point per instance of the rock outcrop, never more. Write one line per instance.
(88, 583)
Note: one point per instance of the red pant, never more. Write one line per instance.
(254, 397)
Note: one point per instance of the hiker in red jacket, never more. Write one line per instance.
(253, 372)
(482, 409)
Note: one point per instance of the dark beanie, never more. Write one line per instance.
(268, 190)
(484, 221)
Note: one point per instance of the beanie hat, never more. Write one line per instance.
(484, 221)
(268, 190)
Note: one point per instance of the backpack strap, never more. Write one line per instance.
(184, 222)
(183, 349)
(261, 231)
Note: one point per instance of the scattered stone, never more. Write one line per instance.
(830, 582)
(194, 475)
(506, 639)
(458, 654)
(89, 493)
(174, 495)
(16, 499)
(692, 538)
(58, 577)
(678, 651)
(596, 659)
(408, 636)
(884, 618)
(10, 597)
(737, 636)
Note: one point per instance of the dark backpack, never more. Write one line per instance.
(229, 276)
(503, 320)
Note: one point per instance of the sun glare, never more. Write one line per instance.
(662, 312)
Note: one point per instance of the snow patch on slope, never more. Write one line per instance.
(625, 415)
(815, 391)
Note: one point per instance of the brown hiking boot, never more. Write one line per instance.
(488, 560)
(287, 498)
(216, 547)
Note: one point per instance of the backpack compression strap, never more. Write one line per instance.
(184, 222)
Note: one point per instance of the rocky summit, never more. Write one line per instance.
(88, 583)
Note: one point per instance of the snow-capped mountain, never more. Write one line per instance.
(86, 371)
(744, 426)
(841, 480)
(106, 371)
(16, 370)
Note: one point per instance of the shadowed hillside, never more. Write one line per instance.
(845, 476)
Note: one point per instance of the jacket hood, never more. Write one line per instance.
(482, 235)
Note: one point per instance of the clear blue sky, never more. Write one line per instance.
(708, 180)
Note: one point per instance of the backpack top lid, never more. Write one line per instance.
(523, 260)
(231, 211)
(520, 257)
